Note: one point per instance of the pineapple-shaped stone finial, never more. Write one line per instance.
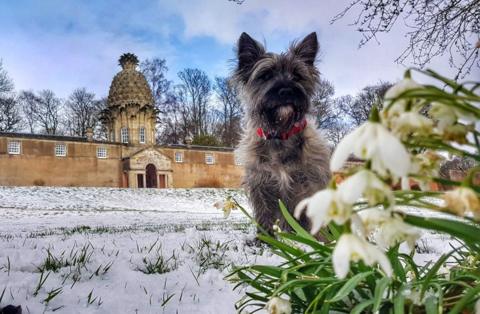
(128, 61)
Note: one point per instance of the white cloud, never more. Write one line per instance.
(280, 21)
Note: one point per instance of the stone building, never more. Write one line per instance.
(130, 157)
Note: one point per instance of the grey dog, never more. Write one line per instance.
(284, 156)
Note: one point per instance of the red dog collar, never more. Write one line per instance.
(297, 128)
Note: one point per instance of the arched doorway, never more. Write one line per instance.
(151, 176)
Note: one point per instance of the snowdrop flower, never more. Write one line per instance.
(278, 305)
(352, 248)
(365, 183)
(447, 116)
(276, 226)
(457, 133)
(477, 304)
(226, 206)
(323, 207)
(461, 200)
(394, 231)
(372, 141)
(425, 165)
(400, 105)
(410, 122)
(388, 229)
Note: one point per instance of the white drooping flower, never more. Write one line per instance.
(323, 207)
(394, 231)
(226, 206)
(387, 229)
(399, 105)
(447, 115)
(278, 305)
(365, 183)
(462, 200)
(477, 304)
(400, 87)
(410, 122)
(372, 141)
(352, 248)
(424, 166)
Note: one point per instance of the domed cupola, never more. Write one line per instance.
(129, 86)
(130, 115)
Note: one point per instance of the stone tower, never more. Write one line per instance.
(130, 115)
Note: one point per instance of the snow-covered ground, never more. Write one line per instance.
(92, 250)
(100, 250)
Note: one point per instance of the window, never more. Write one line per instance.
(60, 150)
(124, 135)
(141, 136)
(209, 159)
(14, 147)
(101, 152)
(178, 157)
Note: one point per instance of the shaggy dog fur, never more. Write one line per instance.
(276, 90)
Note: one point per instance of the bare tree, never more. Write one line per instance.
(436, 27)
(195, 92)
(174, 119)
(47, 112)
(10, 119)
(230, 113)
(81, 112)
(336, 131)
(9, 113)
(29, 102)
(6, 83)
(322, 103)
(155, 71)
(358, 108)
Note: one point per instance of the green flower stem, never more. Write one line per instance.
(262, 230)
(439, 145)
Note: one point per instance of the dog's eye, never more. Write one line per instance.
(265, 76)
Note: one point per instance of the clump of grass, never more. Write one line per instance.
(209, 254)
(52, 294)
(155, 262)
(78, 257)
(7, 266)
(159, 264)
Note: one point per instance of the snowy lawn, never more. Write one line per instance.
(100, 250)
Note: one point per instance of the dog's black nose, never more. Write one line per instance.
(285, 92)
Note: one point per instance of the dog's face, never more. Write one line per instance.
(277, 87)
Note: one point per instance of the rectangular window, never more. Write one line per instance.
(101, 152)
(142, 136)
(14, 147)
(209, 159)
(178, 157)
(124, 135)
(60, 150)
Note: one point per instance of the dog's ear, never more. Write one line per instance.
(307, 49)
(249, 51)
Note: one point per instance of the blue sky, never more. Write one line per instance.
(62, 44)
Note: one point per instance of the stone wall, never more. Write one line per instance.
(194, 172)
(38, 165)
